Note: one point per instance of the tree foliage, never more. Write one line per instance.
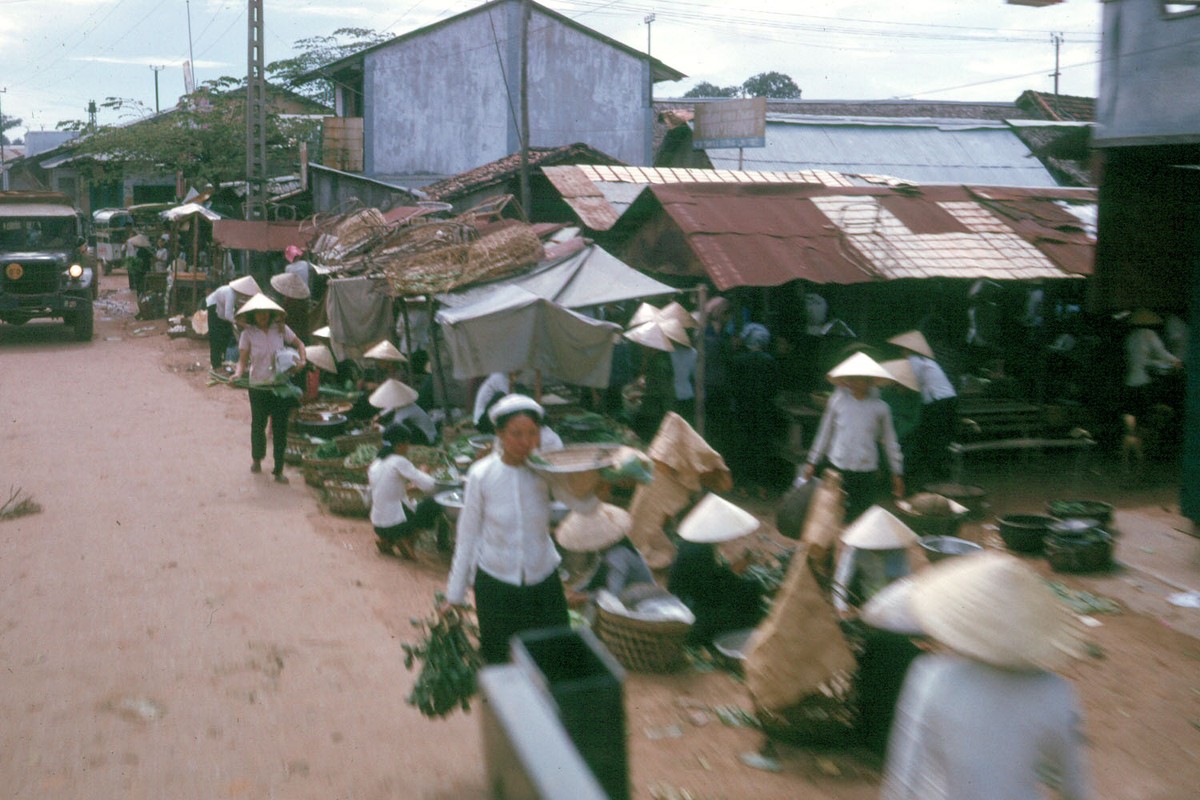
(316, 51)
(706, 89)
(204, 138)
(7, 122)
(771, 84)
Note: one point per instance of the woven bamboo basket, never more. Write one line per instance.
(643, 645)
(297, 448)
(346, 498)
(347, 442)
(316, 470)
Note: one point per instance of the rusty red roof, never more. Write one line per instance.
(767, 235)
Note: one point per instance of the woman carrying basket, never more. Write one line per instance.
(503, 542)
(264, 336)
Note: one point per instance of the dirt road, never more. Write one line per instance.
(172, 626)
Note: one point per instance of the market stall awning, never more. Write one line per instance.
(587, 275)
(258, 235)
(764, 235)
(512, 329)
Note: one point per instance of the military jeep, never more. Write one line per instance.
(45, 269)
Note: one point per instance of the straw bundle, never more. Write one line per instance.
(823, 525)
(652, 505)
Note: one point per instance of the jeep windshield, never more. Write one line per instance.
(30, 234)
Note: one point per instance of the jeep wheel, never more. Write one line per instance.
(81, 321)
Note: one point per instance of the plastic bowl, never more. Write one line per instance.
(939, 547)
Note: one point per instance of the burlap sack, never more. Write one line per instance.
(799, 647)
(695, 463)
(652, 505)
(823, 525)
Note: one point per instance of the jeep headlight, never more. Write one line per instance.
(75, 271)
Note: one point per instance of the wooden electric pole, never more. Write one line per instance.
(1056, 39)
(526, 192)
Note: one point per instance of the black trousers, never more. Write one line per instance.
(220, 336)
(423, 517)
(930, 456)
(266, 406)
(862, 492)
(504, 610)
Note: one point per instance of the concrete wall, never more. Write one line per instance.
(447, 100)
(1149, 92)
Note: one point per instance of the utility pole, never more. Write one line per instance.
(526, 192)
(191, 55)
(1056, 39)
(649, 19)
(256, 116)
(156, 71)
(3, 166)
(91, 109)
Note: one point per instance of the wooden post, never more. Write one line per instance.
(412, 378)
(439, 374)
(701, 302)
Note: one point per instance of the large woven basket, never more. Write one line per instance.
(347, 499)
(347, 442)
(298, 446)
(643, 645)
(316, 470)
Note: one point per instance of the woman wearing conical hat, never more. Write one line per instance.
(853, 426)
(927, 451)
(987, 716)
(264, 336)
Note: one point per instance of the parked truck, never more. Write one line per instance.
(45, 268)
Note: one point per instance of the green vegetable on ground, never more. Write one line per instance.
(363, 454)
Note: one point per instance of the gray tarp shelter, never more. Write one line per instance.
(511, 328)
(585, 275)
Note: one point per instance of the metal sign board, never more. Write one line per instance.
(730, 123)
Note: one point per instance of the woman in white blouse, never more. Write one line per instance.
(503, 542)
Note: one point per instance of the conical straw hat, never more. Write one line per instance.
(385, 351)
(859, 365)
(644, 313)
(890, 609)
(877, 529)
(993, 608)
(140, 240)
(245, 285)
(322, 333)
(715, 519)
(673, 310)
(902, 373)
(393, 394)
(587, 533)
(319, 354)
(290, 285)
(260, 302)
(650, 334)
(913, 340)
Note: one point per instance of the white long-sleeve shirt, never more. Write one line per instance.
(968, 731)
(225, 299)
(1143, 349)
(931, 378)
(504, 527)
(389, 478)
(850, 432)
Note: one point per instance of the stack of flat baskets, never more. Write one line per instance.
(298, 445)
(643, 645)
(346, 498)
(346, 443)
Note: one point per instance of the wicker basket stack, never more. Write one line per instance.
(346, 443)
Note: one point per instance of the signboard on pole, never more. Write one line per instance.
(731, 123)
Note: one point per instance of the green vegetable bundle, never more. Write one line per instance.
(449, 660)
(282, 387)
(327, 450)
(363, 455)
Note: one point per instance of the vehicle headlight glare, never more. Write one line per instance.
(75, 271)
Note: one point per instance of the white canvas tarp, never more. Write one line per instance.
(187, 210)
(590, 276)
(511, 329)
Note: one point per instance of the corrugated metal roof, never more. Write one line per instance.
(922, 151)
(745, 235)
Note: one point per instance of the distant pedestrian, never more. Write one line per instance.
(222, 306)
(928, 450)
(393, 514)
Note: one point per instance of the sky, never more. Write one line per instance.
(56, 56)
